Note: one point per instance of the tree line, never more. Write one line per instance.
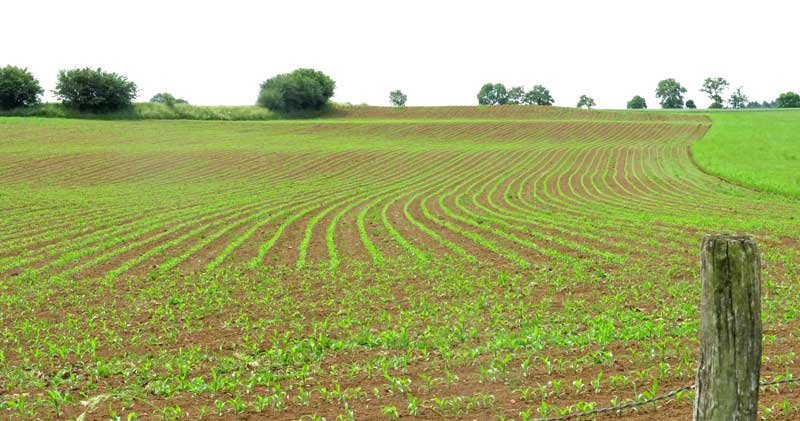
(302, 90)
(98, 91)
(669, 92)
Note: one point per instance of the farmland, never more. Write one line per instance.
(460, 262)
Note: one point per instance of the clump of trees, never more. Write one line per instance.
(637, 103)
(670, 93)
(586, 101)
(493, 94)
(788, 100)
(397, 98)
(18, 88)
(539, 95)
(497, 94)
(690, 104)
(167, 99)
(300, 90)
(762, 104)
(94, 90)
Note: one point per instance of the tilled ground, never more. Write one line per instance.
(446, 264)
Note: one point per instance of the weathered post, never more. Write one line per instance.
(730, 330)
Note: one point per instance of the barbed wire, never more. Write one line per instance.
(783, 381)
(636, 404)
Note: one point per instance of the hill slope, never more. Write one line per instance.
(461, 262)
(760, 149)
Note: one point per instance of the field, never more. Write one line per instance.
(454, 262)
(756, 149)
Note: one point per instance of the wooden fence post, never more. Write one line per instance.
(730, 330)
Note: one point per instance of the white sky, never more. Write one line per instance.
(437, 52)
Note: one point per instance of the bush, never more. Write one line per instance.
(691, 105)
(167, 99)
(637, 103)
(788, 100)
(586, 101)
(300, 90)
(94, 90)
(398, 98)
(18, 88)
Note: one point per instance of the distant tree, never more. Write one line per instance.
(788, 100)
(398, 98)
(691, 105)
(493, 94)
(753, 104)
(769, 104)
(738, 99)
(539, 95)
(94, 90)
(18, 88)
(586, 101)
(637, 103)
(168, 99)
(715, 87)
(670, 92)
(516, 95)
(300, 90)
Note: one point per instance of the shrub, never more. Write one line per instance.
(788, 100)
(691, 105)
(300, 90)
(586, 101)
(94, 90)
(637, 103)
(167, 99)
(18, 88)
(398, 98)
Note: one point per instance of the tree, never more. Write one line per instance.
(753, 104)
(94, 90)
(788, 100)
(18, 88)
(398, 98)
(168, 99)
(493, 94)
(738, 99)
(637, 103)
(516, 95)
(715, 87)
(691, 105)
(539, 95)
(586, 101)
(300, 90)
(670, 92)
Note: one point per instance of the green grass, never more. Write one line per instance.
(759, 149)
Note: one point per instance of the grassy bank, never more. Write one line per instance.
(759, 149)
(150, 111)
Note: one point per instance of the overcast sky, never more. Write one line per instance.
(437, 52)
